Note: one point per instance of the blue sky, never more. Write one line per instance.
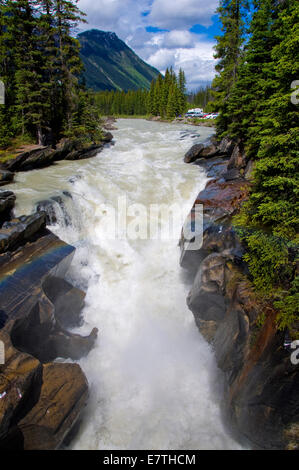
(164, 33)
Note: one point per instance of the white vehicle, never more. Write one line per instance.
(195, 112)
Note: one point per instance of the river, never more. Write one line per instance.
(154, 383)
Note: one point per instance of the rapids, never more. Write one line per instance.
(154, 383)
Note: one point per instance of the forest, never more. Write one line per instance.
(166, 98)
(44, 97)
(254, 93)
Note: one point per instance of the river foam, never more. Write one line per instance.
(154, 383)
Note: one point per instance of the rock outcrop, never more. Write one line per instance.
(40, 401)
(7, 203)
(6, 177)
(41, 157)
(262, 383)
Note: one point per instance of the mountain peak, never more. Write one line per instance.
(111, 65)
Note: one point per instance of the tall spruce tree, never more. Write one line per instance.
(268, 126)
(232, 15)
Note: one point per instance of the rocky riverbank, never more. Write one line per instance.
(261, 382)
(36, 157)
(40, 400)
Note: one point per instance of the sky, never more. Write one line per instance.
(164, 33)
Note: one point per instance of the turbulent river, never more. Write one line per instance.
(154, 383)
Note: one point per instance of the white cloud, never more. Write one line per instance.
(197, 62)
(176, 47)
(179, 14)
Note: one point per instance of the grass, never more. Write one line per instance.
(12, 150)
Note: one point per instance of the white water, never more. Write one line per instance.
(153, 379)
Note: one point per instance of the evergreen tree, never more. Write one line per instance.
(182, 92)
(256, 77)
(269, 129)
(228, 53)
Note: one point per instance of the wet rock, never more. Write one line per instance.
(18, 231)
(210, 151)
(55, 208)
(226, 146)
(7, 203)
(222, 199)
(39, 335)
(107, 137)
(67, 300)
(75, 178)
(193, 153)
(6, 177)
(47, 206)
(88, 152)
(63, 395)
(24, 271)
(37, 158)
(232, 174)
(66, 149)
(20, 381)
(237, 159)
(207, 328)
(205, 299)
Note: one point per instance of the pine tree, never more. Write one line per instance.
(67, 16)
(271, 213)
(256, 77)
(228, 51)
(182, 92)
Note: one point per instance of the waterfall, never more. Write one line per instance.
(154, 383)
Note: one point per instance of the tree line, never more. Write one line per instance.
(130, 103)
(202, 98)
(166, 98)
(257, 68)
(41, 68)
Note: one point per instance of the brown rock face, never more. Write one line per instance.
(39, 401)
(237, 159)
(63, 394)
(20, 381)
(262, 383)
(222, 199)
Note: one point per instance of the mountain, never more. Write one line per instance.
(111, 65)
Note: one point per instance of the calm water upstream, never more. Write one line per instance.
(153, 379)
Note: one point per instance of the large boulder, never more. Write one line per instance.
(18, 231)
(39, 405)
(6, 177)
(63, 395)
(20, 382)
(194, 153)
(23, 272)
(67, 300)
(7, 203)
